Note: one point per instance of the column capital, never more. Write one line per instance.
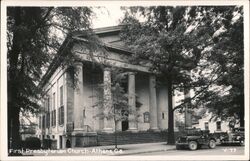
(131, 73)
(78, 63)
(106, 69)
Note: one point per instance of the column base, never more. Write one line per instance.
(76, 130)
(133, 129)
(155, 129)
(108, 130)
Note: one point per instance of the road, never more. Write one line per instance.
(219, 150)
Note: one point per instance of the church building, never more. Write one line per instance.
(70, 118)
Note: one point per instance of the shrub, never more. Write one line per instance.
(32, 143)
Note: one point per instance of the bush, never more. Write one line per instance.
(47, 143)
(32, 143)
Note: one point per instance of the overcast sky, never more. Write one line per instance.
(107, 16)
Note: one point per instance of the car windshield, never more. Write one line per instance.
(193, 132)
(239, 130)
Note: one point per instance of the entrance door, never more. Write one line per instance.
(124, 125)
(125, 121)
(60, 141)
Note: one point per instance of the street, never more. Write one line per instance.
(219, 150)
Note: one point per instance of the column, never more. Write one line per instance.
(78, 98)
(153, 103)
(131, 102)
(107, 94)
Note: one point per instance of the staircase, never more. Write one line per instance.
(131, 137)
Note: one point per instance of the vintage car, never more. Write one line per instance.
(236, 136)
(195, 138)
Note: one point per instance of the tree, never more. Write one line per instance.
(230, 57)
(179, 41)
(34, 35)
(171, 51)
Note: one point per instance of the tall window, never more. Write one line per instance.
(218, 125)
(61, 115)
(61, 108)
(61, 95)
(206, 126)
(43, 121)
(54, 100)
(48, 113)
(54, 109)
(53, 118)
(48, 103)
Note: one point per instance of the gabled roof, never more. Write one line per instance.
(80, 35)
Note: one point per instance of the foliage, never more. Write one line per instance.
(191, 48)
(32, 143)
(34, 35)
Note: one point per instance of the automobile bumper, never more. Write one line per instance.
(182, 144)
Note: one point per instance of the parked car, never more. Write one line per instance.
(236, 136)
(195, 138)
(219, 135)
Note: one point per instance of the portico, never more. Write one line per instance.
(82, 117)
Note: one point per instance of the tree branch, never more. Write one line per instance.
(202, 90)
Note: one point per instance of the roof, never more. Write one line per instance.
(104, 30)
(79, 35)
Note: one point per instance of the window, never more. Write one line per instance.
(163, 115)
(146, 117)
(53, 118)
(54, 100)
(61, 115)
(218, 125)
(61, 95)
(84, 113)
(48, 103)
(43, 121)
(206, 126)
(48, 119)
(54, 121)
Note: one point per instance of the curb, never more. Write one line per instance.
(141, 152)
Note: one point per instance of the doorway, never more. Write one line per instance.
(125, 124)
(60, 141)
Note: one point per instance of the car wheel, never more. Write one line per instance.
(193, 145)
(212, 144)
(242, 143)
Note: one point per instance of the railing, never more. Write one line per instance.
(87, 128)
(70, 127)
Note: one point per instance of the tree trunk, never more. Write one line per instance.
(242, 119)
(171, 139)
(13, 86)
(13, 127)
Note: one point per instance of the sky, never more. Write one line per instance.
(107, 16)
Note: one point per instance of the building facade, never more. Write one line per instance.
(214, 126)
(70, 117)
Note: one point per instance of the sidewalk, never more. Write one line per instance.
(133, 149)
(128, 149)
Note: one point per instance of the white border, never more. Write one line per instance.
(3, 76)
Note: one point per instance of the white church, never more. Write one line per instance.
(69, 117)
